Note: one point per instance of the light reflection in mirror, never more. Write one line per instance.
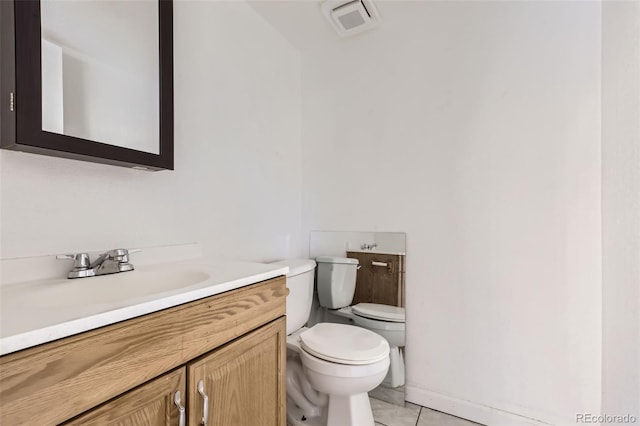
(100, 67)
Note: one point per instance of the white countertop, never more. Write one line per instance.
(40, 311)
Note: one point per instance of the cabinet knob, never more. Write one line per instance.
(183, 417)
(205, 403)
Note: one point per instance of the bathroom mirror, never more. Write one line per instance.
(380, 279)
(92, 80)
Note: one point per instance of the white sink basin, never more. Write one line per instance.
(112, 289)
(36, 304)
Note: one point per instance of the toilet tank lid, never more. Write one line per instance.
(343, 260)
(296, 266)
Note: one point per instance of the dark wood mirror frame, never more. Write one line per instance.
(21, 94)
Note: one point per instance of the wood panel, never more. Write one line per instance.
(53, 382)
(244, 381)
(379, 284)
(148, 405)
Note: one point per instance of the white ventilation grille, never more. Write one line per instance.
(351, 17)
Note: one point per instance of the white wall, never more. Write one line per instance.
(621, 207)
(236, 187)
(475, 128)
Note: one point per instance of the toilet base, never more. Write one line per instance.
(343, 411)
(395, 375)
(296, 417)
(349, 410)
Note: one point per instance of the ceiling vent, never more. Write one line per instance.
(351, 17)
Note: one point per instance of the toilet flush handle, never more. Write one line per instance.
(389, 266)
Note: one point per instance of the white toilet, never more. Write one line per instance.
(388, 321)
(330, 367)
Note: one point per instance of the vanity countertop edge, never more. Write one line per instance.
(56, 324)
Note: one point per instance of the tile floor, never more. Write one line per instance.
(386, 414)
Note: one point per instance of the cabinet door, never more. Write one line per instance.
(380, 278)
(243, 381)
(151, 404)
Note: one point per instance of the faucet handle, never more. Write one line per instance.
(121, 255)
(117, 254)
(81, 260)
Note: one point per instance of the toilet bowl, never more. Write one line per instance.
(341, 361)
(330, 367)
(387, 321)
(336, 288)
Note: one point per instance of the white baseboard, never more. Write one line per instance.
(469, 410)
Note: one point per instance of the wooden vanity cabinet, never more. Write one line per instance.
(241, 382)
(128, 373)
(380, 279)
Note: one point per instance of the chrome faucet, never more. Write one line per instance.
(111, 262)
(368, 246)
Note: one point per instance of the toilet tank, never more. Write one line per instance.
(300, 285)
(336, 281)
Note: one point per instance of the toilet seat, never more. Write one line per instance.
(380, 312)
(378, 325)
(330, 368)
(333, 360)
(344, 344)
